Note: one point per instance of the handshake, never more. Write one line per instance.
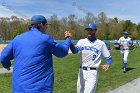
(67, 34)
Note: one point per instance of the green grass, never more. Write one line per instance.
(66, 70)
(5, 83)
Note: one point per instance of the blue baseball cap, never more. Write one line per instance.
(91, 26)
(38, 19)
(125, 33)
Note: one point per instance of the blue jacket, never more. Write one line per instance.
(33, 67)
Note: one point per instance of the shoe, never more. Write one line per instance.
(124, 70)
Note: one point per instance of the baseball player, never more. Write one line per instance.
(125, 43)
(91, 50)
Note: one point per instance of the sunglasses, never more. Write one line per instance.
(46, 23)
(89, 29)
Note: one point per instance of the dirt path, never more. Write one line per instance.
(2, 46)
(131, 87)
(3, 70)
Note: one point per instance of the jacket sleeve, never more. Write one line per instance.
(7, 55)
(59, 50)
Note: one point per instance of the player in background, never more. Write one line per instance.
(125, 43)
(91, 50)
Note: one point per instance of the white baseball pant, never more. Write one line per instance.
(124, 54)
(87, 81)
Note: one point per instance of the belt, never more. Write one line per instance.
(88, 68)
(125, 49)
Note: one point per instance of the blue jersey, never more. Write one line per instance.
(33, 67)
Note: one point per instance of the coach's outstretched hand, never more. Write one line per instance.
(105, 67)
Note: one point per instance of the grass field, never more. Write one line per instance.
(66, 70)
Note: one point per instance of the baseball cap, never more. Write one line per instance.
(125, 33)
(38, 19)
(91, 26)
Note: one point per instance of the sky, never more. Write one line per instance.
(123, 9)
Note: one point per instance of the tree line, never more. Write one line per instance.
(108, 28)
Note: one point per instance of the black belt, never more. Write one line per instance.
(88, 68)
(125, 49)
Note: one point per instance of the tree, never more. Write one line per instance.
(90, 18)
(127, 25)
(103, 26)
(138, 31)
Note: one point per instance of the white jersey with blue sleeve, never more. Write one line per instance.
(91, 52)
(125, 42)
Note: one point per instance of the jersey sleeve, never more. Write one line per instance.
(105, 51)
(106, 54)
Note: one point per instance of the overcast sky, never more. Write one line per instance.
(123, 9)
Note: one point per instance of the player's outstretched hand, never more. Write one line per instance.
(67, 34)
(105, 67)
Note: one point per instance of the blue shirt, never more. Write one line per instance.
(33, 67)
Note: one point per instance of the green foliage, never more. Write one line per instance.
(17, 31)
(127, 26)
(108, 28)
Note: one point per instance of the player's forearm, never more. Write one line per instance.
(73, 49)
(109, 60)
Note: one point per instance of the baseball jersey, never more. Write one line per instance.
(125, 42)
(91, 52)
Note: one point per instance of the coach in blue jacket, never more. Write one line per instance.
(32, 53)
